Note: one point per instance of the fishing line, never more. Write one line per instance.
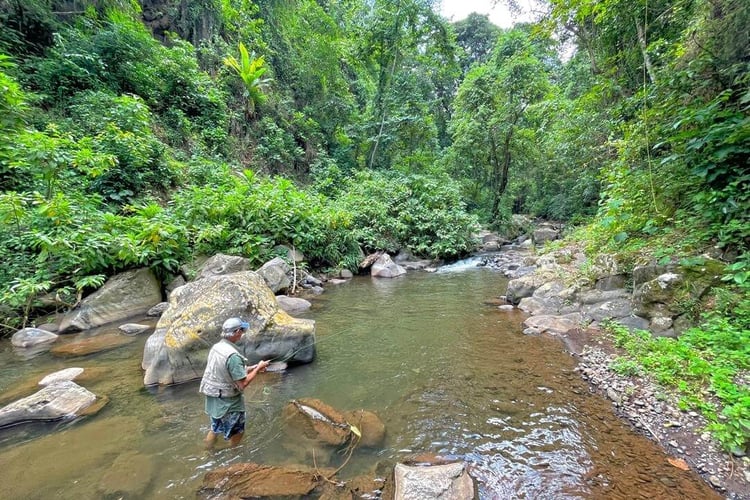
(266, 389)
(306, 346)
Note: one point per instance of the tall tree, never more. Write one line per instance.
(476, 35)
(404, 39)
(493, 118)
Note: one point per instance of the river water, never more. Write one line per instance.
(448, 375)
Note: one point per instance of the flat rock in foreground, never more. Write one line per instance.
(60, 400)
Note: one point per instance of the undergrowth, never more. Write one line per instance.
(708, 366)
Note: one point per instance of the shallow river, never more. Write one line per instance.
(448, 375)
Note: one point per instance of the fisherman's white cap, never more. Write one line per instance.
(232, 324)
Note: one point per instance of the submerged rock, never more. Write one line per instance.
(369, 425)
(128, 477)
(312, 419)
(72, 459)
(251, 480)
(444, 482)
(91, 345)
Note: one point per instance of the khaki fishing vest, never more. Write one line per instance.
(216, 381)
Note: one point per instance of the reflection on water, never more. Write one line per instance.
(447, 374)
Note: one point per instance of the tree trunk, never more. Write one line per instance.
(494, 177)
(383, 114)
(644, 45)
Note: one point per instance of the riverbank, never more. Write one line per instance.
(654, 411)
(565, 303)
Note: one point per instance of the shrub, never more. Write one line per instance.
(419, 213)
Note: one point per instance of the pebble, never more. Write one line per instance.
(667, 482)
(715, 482)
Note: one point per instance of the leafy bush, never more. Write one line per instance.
(247, 216)
(422, 214)
(708, 366)
(13, 107)
(119, 56)
(142, 166)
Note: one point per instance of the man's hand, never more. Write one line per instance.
(260, 366)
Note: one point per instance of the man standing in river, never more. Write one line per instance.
(225, 378)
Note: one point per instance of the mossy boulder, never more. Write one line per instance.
(176, 352)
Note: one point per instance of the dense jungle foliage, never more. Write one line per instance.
(146, 133)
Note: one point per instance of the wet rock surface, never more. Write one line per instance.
(123, 296)
(63, 399)
(251, 480)
(445, 482)
(313, 419)
(91, 345)
(30, 337)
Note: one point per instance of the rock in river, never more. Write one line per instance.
(54, 402)
(444, 482)
(91, 345)
(176, 352)
(30, 337)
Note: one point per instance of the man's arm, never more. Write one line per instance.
(252, 371)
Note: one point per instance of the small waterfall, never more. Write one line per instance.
(463, 265)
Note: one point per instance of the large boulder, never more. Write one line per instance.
(123, 296)
(443, 482)
(176, 352)
(611, 309)
(523, 287)
(384, 267)
(275, 273)
(63, 399)
(544, 234)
